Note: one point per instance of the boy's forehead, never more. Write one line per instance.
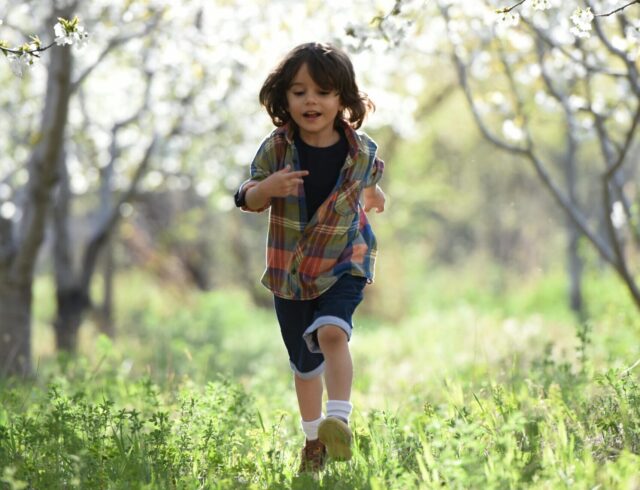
(303, 77)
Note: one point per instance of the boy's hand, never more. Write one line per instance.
(373, 197)
(283, 182)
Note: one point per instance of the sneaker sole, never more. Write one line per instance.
(336, 436)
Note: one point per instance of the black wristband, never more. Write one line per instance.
(239, 197)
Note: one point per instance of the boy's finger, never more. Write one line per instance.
(299, 173)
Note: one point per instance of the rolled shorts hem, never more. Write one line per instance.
(309, 374)
(308, 337)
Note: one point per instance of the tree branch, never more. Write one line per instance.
(613, 164)
(574, 213)
(33, 52)
(102, 234)
(113, 43)
(548, 41)
(610, 172)
(632, 70)
(506, 10)
(7, 244)
(619, 9)
(464, 82)
(43, 164)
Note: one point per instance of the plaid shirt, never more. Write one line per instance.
(306, 256)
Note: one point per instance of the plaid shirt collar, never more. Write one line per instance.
(289, 129)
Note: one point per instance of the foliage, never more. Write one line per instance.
(507, 410)
(68, 32)
(546, 430)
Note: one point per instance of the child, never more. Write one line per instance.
(312, 170)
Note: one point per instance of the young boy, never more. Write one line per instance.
(312, 171)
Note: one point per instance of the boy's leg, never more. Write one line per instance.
(334, 431)
(309, 393)
(329, 334)
(338, 373)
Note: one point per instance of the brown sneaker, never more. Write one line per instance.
(336, 435)
(313, 457)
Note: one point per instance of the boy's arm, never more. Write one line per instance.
(240, 197)
(256, 195)
(373, 197)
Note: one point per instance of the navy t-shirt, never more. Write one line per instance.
(324, 165)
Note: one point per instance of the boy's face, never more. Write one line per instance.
(313, 109)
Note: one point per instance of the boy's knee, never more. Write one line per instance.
(331, 334)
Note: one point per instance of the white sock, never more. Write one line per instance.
(310, 428)
(339, 408)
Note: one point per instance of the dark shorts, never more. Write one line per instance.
(300, 321)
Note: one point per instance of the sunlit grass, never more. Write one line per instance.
(468, 389)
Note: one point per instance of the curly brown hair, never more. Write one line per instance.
(330, 68)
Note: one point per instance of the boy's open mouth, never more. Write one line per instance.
(311, 114)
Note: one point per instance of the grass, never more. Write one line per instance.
(469, 390)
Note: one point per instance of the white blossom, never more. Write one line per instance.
(509, 19)
(8, 210)
(633, 33)
(512, 131)
(541, 4)
(582, 19)
(618, 217)
(77, 36)
(576, 102)
(5, 191)
(19, 63)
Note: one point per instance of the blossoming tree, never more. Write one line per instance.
(20, 242)
(532, 72)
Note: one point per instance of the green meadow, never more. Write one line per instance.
(463, 388)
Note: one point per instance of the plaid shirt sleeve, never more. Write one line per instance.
(262, 166)
(376, 172)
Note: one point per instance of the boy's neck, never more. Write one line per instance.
(320, 140)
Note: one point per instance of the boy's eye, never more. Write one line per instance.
(298, 93)
(324, 92)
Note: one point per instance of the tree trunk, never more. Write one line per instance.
(72, 303)
(574, 270)
(70, 299)
(20, 249)
(574, 261)
(105, 315)
(15, 328)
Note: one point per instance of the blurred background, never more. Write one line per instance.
(508, 231)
